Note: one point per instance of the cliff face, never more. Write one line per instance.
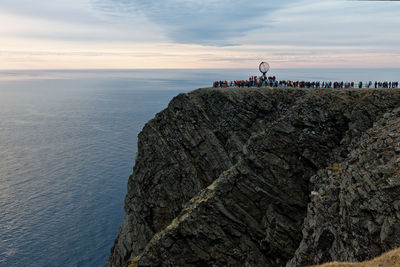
(264, 177)
(354, 212)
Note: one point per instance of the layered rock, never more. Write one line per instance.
(222, 176)
(183, 150)
(354, 212)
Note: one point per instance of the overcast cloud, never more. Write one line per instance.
(205, 31)
(208, 22)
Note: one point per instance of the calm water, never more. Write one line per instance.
(67, 147)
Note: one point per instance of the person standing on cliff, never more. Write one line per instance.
(261, 80)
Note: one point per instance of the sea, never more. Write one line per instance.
(68, 144)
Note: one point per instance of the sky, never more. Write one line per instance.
(136, 34)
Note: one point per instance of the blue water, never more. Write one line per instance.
(67, 147)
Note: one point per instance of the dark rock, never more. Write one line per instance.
(223, 178)
(365, 189)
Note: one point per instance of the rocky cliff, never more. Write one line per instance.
(265, 177)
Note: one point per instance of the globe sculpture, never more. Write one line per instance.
(264, 68)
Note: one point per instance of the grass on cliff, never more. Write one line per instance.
(391, 258)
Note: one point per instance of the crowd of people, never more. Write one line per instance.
(255, 81)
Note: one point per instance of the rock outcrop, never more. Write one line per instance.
(264, 177)
(354, 212)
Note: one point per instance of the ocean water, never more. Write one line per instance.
(68, 144)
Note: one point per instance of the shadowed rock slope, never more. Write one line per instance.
(231, 177)
(354, 212)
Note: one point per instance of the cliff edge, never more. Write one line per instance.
(265, 177)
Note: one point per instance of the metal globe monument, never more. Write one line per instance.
(264, 68)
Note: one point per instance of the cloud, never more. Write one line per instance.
(72, 11)
(209, 33)
(71, 20)
(331, 23)
(208, 22)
